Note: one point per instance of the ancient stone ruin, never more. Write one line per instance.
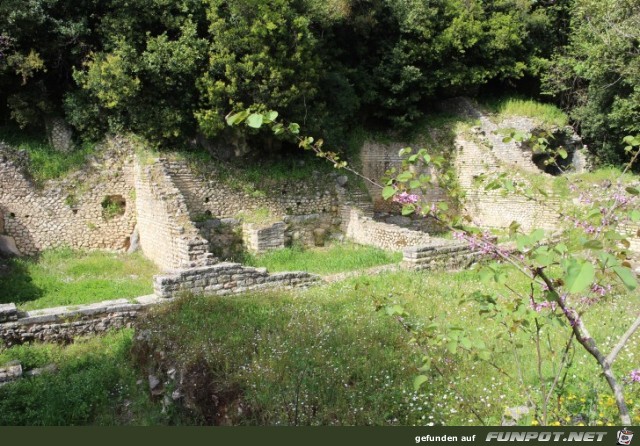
(193, 225)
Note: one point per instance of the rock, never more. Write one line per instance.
(319, 235)
(512, 415)
(60, 134)
(342, 180)
(10, 371)
(134, 241)
(50, 368)
(154, 383)
(8, 247)
(8, 312)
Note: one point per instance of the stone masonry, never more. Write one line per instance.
(366, 231)
(167, 234)
(226, 278)
(69, 212)
(63, 324)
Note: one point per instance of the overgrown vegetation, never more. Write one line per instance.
(92, 382)
(45, 163)
(68, 277)
(547, 114)
(336, 258)
(240, 353)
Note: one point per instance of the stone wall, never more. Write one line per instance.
(495, 209)
(440, 255)
(207, 195)
(63, 324)
(167, 235)
(226, 278)
(266, 237)
(366, 231)
(377, 158)
(70, 211)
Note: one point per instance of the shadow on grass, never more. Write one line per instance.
(15, 282)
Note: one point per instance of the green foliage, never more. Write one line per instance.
(94, 383)
(67, 277)
(44, 163)
(597, 75)
(243, 72)
(336, 258)
(547, 114)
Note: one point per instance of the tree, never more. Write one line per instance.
(597, 75)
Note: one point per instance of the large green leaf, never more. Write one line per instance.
(388, 192)
(255, 120)
(419, 381)
(579, 276)
(627, 277)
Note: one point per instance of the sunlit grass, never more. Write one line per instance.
(45, 163)
(70, 277)
(547, 113)
(333, 259)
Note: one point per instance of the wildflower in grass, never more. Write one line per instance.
(635, 376)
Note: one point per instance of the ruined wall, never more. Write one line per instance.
(210, 196)
(63, 324)
(440, 255)
(167, 235)
(377, 158)
(366, 231)
(226, 278)
(69, 212)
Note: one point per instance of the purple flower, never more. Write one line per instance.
(635, 376)
(405, 198)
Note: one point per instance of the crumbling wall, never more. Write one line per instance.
(70, 211)
(167, 235)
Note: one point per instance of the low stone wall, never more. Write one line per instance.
(441, 256)
(366, 231)
(262, 238)
(62, 324)
(227, 278)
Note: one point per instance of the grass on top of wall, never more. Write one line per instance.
(69, 277)
(45, 163)
(513, 106)
(336, 258)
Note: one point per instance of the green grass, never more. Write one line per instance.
(95, 383)
(326, 356)
(329, 355)
(333, 259)
(512, 106)
(45, 163)
(68, 277)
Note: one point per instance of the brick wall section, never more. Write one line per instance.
(63, 324)
(366, 231)
(492, 209)
(226, 278)
(68, 212)
(441, 255)
(261, 238)
(167, 235)
(376, 159)
(204, 194)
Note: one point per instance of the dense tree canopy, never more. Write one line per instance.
(170, 69)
